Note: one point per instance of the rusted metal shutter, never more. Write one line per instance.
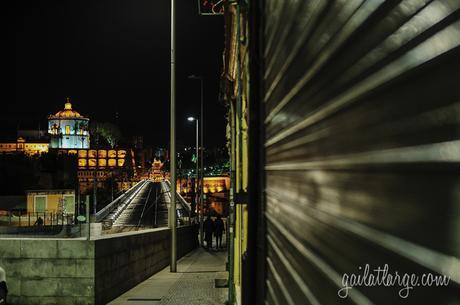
(362, 148)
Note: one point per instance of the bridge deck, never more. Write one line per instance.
(144, 205)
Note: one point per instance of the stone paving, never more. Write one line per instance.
(193, 284)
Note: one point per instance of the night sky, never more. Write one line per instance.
(111, 56)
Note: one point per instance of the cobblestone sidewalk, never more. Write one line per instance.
(196, 286)
(193, 284)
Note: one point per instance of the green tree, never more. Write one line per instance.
(108, 131)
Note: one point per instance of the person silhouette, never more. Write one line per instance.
(218, 231)
(39, 222)
(208, 231)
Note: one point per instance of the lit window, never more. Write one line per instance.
(82, 153)
(102, 162)
(82, 162)
(102, 153)
(67, 129)
(121, 153)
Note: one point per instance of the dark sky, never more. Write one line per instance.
(111, 56)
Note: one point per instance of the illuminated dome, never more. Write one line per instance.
(68, 129)
(67, 112)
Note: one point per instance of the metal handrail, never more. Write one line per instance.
(181, 199)
(104, 212)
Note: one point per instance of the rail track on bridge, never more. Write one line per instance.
(145, 205)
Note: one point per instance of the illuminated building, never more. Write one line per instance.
(104, 164)
(216, 184)
(100, 158)
(21, 146)
(68, 129)
(216, 191)
(156, 174)
(68, 133)
(51, 201)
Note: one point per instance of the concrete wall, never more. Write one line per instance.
(125, 260)
(48, 271)
(78, 272)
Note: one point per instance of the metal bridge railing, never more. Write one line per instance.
(185, 205)
(184, 211)
(103, 213)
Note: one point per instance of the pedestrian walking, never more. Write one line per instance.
(218, 231)
(196, 231)
(208, 231)
(39, 222)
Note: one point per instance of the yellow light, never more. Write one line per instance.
(82, 162)
(102, 153)
(102, 162)
(82, 153)
(121, 153)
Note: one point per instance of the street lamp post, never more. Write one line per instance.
(200, 78)
(95, 179)
(172, 206)
(200, 207)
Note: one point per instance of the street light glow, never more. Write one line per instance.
(190, 119)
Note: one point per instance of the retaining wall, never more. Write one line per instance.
(80, 272)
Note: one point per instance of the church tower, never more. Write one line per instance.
(68, 128)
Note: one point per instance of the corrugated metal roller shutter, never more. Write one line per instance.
(362, 147)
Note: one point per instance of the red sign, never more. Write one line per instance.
(211, 7)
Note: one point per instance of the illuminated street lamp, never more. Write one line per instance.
(200, 201)
(200, 78)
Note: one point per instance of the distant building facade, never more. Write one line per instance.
(51, 201)
(22, 146)
(68, 134)
(68, 129)
(216, 192)
(104, 164)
